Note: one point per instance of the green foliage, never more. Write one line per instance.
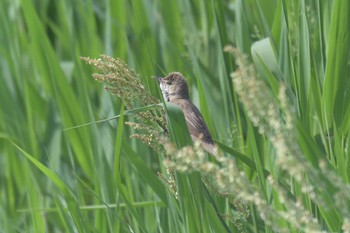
(283, 125)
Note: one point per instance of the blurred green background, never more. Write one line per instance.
(97, 179)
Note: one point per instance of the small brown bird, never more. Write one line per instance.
(175, 90)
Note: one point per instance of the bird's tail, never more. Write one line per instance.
(210, 148)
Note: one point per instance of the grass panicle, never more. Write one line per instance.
(126, 84)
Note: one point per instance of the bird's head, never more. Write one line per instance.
(174, 86)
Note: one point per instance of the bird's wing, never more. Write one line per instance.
(195, 122)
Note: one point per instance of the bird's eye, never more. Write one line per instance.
(169, 82)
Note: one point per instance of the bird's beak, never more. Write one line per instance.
(159, 79)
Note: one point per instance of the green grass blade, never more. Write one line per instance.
(49, 173)
(337, 62)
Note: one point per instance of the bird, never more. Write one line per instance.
(174, 88)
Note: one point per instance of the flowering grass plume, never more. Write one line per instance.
(224, 178)
(122, 81)
(273, 117)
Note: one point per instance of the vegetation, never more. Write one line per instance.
(271, 79)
